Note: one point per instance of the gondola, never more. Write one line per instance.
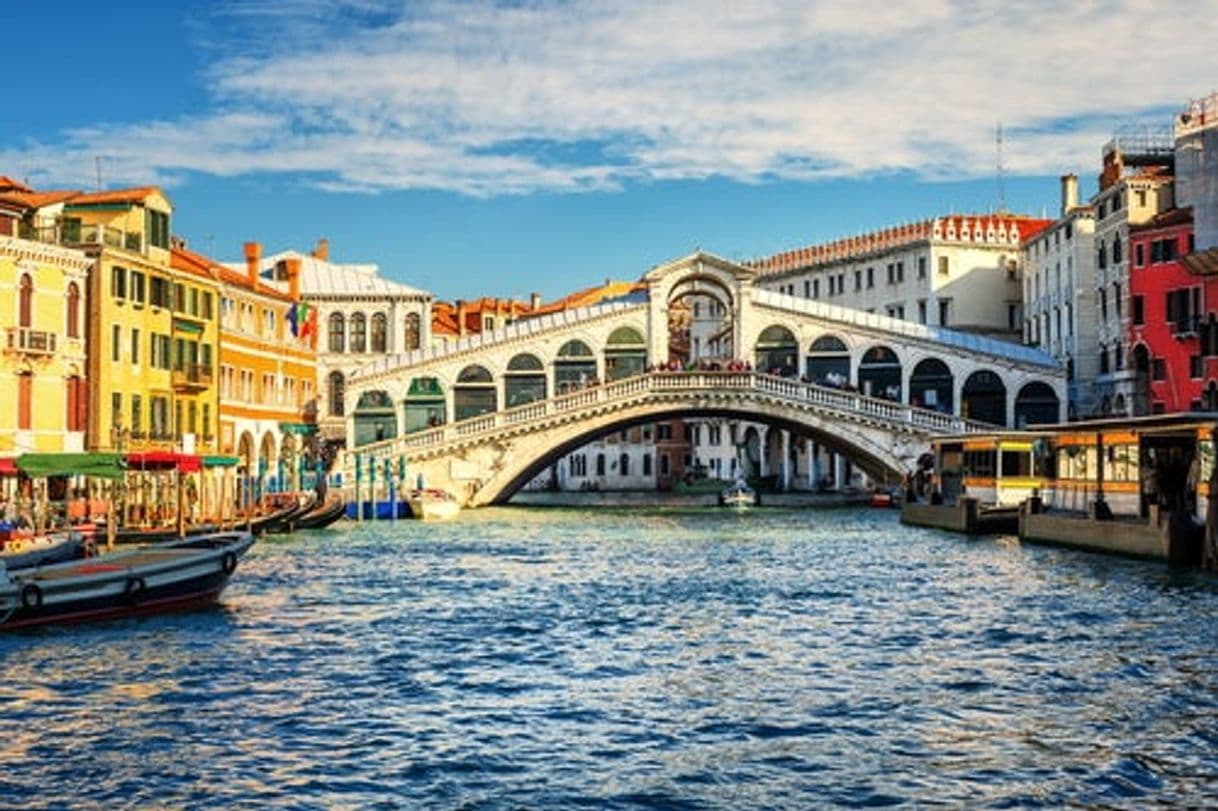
(141, 580)
(298, 505)
(324, 514)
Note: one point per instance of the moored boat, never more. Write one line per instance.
(432, 504)
(26, 550)
(128, 582)
(323, 514)
(738, 496)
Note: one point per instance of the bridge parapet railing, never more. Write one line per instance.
(787, 388)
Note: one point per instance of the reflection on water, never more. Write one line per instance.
(530, 658)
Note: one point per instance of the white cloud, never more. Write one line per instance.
(571, 96)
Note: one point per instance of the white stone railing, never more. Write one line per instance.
(822, 398)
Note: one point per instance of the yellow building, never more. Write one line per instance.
(42, 345)
(153, 329)
(267, 365)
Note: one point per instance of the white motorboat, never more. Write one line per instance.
(431, 504)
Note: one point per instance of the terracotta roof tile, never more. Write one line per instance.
(134, 195)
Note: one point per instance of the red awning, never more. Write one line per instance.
(164, 460)
(8, 467)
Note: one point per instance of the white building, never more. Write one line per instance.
(360, 318)
(960, 271)
(1061, 315)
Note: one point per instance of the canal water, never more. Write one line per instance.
(530, 658)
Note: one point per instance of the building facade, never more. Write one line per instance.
(1061, 314)
(959, 271)
(1135, 186)
(267, 368)
(42, 351)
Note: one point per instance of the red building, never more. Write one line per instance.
(1168, 314)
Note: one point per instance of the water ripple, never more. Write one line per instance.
(633, 659)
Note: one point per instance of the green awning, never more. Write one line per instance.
(180, 325)
(97, 465)
(220, 461)
(298, 428)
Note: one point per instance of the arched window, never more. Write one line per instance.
(411, 339)
(337, 333)
(359, 333)
(73, 310)
(26, 306)
(1116, 249)
(380, 330)
(623, 464)
(337, 388)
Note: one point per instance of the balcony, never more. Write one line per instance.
(191, 377)
(77, 235)
(35, 342)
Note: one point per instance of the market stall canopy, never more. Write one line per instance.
(98, 465)
(220, 461)
(164, 460)
(8, 467)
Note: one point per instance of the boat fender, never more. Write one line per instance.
(229, 562)
(135, 589)
(31, 596)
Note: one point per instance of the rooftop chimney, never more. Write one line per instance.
(1069, 193)
(293, 273)
(253, 261)
(322, 251)
(534, 301)
(460, 317)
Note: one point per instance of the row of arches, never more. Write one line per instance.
(357, 333)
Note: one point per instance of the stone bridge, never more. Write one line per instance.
(483, 414)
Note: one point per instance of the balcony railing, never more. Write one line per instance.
(191, 376)
(78, 235)
(30, 341)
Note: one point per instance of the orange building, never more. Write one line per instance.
(267, 366)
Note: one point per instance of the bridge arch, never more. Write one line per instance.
(875, 454)
(932, 385)
(524, 380)
(776, 351)
(625, 353)
(1036, 403)
(574, 366)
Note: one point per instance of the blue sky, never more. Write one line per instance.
(545, 145)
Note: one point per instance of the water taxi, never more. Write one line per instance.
(432, 504)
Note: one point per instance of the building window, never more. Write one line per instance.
(1139, 312)
(1103, 304)
(1103, 360)
(380, 330)
(816, 288)
(807, 289)
(25, 401)
(858, 280)
(1116, 250)
(1012, 315)
(1116, 299)
(337, 329)
(412, 336)
(336, 387)
(921, 267)
(78, 404)
(943, 266)
(922, 311)
(1158, 369)
(623, 465)
(945, 306)
(116, 342)
(1139, 255)
(116, 409)
(1195, 367)
(159, 292)
(137, 415)
(647, 464)
(26, 303)
(135, 345)
(600, 464)
(118, 282)
(73, 310)
(359, 333)
(206, 420)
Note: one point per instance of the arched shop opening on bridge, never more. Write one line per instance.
(524, 381)
(424, 406)
(777, 352)
(625, 354)
(575, 367)
(474, 393)
(880, 373)
(984, 398)
(828, 361)
(931, 385)
(1036, 404)
(374, 418)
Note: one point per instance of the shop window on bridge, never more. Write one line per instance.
(374, 418)
(984, 398)
(828, 362)
(931, 385)
(524, 382)
(880, 373)
(380, 331)
(1036, 404)
(625, 354)
(474, 393)
(776, 352)
(574, 368)
(424, 406)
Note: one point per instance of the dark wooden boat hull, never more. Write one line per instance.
(323, 515)
(127, 583)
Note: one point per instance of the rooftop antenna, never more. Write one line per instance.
(1002, 200)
